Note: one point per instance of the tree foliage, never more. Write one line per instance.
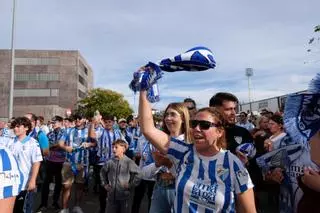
(108, 102)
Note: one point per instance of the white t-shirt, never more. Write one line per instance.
(206, 184)
(27, 152)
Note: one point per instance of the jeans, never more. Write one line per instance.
(162, 200)
(139, 194)
(28, 204)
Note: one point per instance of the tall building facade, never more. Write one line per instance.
(46, 82)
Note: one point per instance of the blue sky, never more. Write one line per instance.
(117, 37)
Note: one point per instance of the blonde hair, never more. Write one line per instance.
(184, 113)
(220, 121)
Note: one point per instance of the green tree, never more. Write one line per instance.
(107, 102)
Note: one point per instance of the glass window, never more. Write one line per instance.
(83, 81)
(36, 92)
(37, 61)
(81, 94)
(36, 77)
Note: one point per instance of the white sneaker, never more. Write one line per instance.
(77, 209)
(64, 211)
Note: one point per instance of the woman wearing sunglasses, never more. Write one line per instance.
(209, 179)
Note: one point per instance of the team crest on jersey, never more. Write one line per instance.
(238, 139)
(222, 173)
(204, 194)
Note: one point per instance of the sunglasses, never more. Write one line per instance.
(191, 107)
(204, 125)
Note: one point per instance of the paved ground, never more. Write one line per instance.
(90, 203)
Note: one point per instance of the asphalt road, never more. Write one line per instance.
(90, 203)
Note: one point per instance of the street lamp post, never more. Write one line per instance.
(12, 60)
(249, 74)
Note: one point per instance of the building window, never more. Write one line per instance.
(81, 94)
(83, 81)
(37, 61)
(83, 68)
(36, 77)
(36, 92)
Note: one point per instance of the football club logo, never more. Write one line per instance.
(238, 139)
(222, 173)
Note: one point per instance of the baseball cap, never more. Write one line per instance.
(57, 118)
(122, 120)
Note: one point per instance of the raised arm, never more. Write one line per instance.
(157, 137)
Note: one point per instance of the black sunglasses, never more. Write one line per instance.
(191, 107)
(204, 125)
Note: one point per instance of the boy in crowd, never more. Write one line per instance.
(118, 176)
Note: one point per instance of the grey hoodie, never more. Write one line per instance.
(118, 173)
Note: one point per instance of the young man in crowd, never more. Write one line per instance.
(134, 134)
(76, 144)
(28, 154)
(243, 122)
(227, 103)
(55, 161)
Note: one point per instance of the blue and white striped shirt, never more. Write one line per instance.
(145, 149)
(75, 137)
(206, 184)
(134, 134)
(105, 144)
(11, 178)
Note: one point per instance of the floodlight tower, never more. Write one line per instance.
(249, 74)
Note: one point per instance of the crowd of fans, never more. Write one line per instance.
(192, 163)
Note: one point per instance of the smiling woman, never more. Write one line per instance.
(209, 178)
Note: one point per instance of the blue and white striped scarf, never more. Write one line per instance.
(195, 59)
(301, 120)
(302, 113)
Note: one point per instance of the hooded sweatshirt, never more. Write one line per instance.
(122, 175)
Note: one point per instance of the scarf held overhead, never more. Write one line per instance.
(146, 78)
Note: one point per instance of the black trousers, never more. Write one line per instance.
(53, 170)
(19, 203)
(139, 194)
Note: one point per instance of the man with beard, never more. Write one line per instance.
(227, 103)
